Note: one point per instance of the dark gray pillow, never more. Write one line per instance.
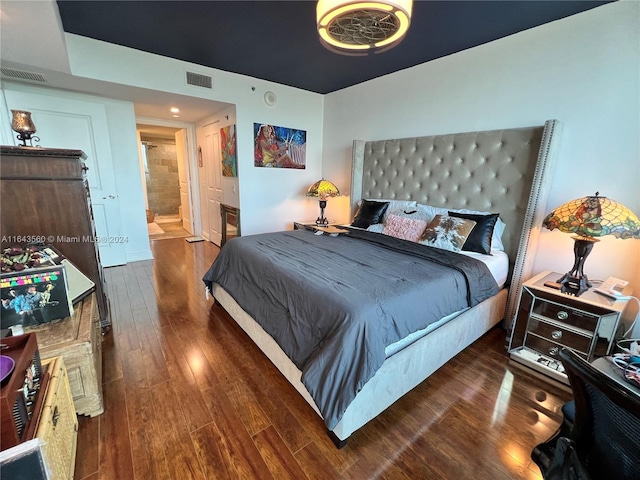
(370, 213)
(479, 240)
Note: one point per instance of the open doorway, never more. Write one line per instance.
(165, 173)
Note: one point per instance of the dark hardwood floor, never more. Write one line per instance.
(188, 395)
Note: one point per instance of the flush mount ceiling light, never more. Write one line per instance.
(356, 27)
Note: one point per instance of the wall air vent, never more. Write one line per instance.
(22, 75)
(199, 80)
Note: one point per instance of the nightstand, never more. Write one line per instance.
(332, 228)
(548, 320)
(305, 224)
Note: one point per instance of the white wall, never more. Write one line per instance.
(583, 70)
(122, 139)
(270, 199)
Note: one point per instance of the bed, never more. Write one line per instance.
(504, 171)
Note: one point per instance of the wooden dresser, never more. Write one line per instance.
(46, 200)
(78, 340)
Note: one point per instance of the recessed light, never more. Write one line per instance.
(175, 116)
(175, 110)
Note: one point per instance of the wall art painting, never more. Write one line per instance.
(279, 147)
(228, 147)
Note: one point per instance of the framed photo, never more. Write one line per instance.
(279, 147)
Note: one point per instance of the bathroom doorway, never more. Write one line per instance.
(163, 159)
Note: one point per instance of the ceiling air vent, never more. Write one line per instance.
(22, 75)
(198, 80)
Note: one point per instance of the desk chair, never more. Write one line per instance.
(604, 440)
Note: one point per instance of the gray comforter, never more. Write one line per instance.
(334, 304)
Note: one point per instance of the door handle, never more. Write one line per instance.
(110, 197)
(56, 416)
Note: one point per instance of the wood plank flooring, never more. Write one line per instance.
(188, 396)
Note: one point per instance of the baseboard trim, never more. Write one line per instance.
(139, 255)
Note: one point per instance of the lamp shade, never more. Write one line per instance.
(323, 189)
(587, 218)
(358, 26)
(594, 216)
(21, 122)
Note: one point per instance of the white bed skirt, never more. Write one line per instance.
(399, 373)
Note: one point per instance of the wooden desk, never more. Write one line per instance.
(605, 365)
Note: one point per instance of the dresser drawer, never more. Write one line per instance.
(566, 315)
(546, 347)
(560, 336)
(58, 424)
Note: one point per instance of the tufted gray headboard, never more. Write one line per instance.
(500, 171)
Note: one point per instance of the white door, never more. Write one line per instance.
(82, 125)
(213, 187)
(183, 178)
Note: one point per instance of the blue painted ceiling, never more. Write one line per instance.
(277, 41)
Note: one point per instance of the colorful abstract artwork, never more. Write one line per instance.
(228, 147)
(279, 147)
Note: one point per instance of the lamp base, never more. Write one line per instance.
(574, 285)
(322, 220)
(576, 282)
(24, 137)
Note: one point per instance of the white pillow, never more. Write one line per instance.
(376, 228)
(428, 213)
(398, 207)
(496, 238)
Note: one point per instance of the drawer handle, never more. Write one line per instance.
(553, 351)
(556, 334)
(56, 416)
(562, 315)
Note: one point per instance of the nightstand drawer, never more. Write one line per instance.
(546, 347)
(558, 335)
(566, 315)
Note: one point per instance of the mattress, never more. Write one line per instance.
(497, 262)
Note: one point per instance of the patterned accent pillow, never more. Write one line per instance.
(446, 232)
(402, 227)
